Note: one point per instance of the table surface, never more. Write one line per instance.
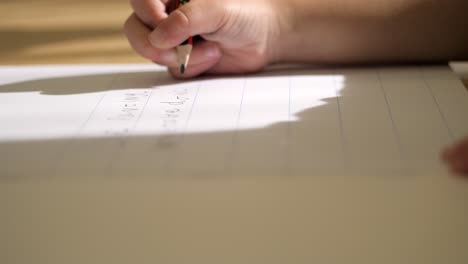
(203, 220)
(64, 31)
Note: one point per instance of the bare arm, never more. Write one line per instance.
(368, 31)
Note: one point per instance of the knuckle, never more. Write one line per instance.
(138, 43)
(182, 16)
(147, 51)
(143, 48)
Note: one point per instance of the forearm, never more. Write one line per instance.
(369, 31)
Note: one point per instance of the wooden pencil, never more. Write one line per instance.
(185, 49)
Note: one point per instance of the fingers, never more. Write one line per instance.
(150, 12)
(137, 34)
(194, 18)
(457, 157)
(159, 45)
(204, 57)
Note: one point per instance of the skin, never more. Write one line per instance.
(246, 36)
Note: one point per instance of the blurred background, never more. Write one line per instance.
(64, 31)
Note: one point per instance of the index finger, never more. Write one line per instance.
(194, 18)
(151, 12)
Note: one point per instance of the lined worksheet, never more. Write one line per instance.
(135, 120)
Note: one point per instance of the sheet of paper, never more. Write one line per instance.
(131, 120)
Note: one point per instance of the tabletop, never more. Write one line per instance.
(206, 220)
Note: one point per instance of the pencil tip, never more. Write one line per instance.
(182, 68)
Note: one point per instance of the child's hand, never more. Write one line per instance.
(246, 35)
(240, 35)
(457, 157)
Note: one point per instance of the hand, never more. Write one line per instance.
(457, 157)
(239, 35)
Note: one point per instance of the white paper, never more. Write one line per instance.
(130, 120)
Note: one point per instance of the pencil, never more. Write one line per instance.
(184, 49)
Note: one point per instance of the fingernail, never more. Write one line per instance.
(156, 38)
(168, 57)
(212, 51)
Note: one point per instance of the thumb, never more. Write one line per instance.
(194, 18)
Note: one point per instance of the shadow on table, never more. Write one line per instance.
(90, 83)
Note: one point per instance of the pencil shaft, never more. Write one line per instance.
(183, 50)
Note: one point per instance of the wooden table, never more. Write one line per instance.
(64, 31)
(201, 220)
